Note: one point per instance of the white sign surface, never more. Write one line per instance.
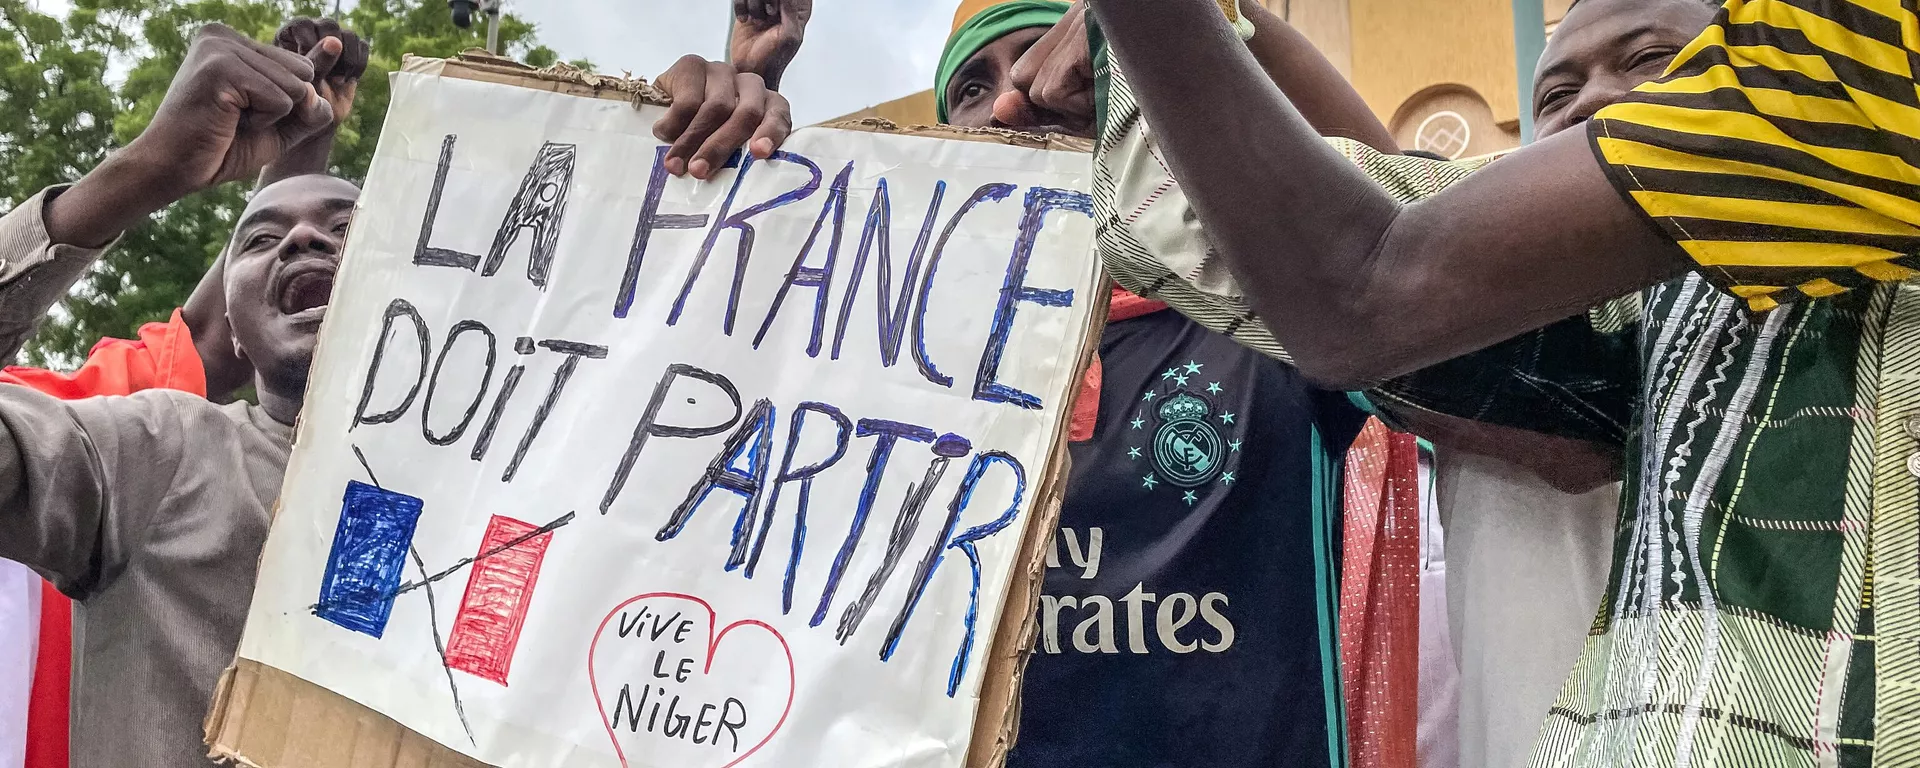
(603, 467)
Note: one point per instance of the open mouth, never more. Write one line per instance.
(305, 290)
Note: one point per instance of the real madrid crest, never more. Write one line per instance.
(1186, 449)
(1190, 442)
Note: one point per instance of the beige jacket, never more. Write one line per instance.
(150, 510)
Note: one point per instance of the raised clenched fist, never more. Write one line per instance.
(767, 35)
(234, 106)
(337, 66)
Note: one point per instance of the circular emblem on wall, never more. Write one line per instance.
(1444, 133)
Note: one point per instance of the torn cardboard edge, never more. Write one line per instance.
(264, 717)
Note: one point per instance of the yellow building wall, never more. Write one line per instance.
(1327, 23)
(1410, 60)
(1404, 47)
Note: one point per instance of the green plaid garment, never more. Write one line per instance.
(1768, 490)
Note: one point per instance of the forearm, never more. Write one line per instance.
(35, 271)
(53, 510)
(1257, 173)
(1570, 466)
(307, 157)
(1317, 89)
(1358, 287)
(205, 314)
(115, 196)
(46, 248)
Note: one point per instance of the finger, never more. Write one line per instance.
(293, 80)
(305, 122)
(774, 127)
(721, 97)
(260, 100)
(345, 90)
(1065, 86)
(310, 114)
(1078, 60)
(686, 88)
(354, 53)
(218, 34)
(298, 111)
(1013, 108)
(749, 109)
(323, 29)
(1028, 67)
(295, 64)
(297, 36)
(741, 12)
(1067, 95)
(324, 56)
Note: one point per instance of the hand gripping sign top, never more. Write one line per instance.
(604, 467)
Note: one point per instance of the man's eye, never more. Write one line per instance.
(972, 91)
(1660, 55)
(340, 229)
(262, 241)
(1556, 97)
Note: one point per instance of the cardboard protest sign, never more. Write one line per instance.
(602, 467)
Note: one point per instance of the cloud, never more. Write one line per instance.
(858, 52)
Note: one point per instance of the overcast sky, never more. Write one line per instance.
(858, 52)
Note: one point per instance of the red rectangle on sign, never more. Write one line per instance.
(498, 594)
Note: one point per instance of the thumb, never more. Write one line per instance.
(1012, 109)
(307, 119)
(324, 56)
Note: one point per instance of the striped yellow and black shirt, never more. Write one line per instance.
(1782, 150)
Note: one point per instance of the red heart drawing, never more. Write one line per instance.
(655, 635)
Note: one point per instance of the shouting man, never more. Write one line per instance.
(151, 509)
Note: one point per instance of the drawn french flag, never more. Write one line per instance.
(499, 592)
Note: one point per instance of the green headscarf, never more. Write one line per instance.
(984, 28)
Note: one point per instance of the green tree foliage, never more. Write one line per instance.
(61, 117)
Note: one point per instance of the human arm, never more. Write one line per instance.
(1332, 263)
(35, 271)
(718, 107)
(1559, 401)
(1317, 89)
(1555, 400)
(205, 315)
(1567, 464)
(80, 481)
(233, 105)
(766, 36)
(1057, 75)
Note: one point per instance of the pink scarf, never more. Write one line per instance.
(1086, 406)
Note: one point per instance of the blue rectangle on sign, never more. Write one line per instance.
(369, 558)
